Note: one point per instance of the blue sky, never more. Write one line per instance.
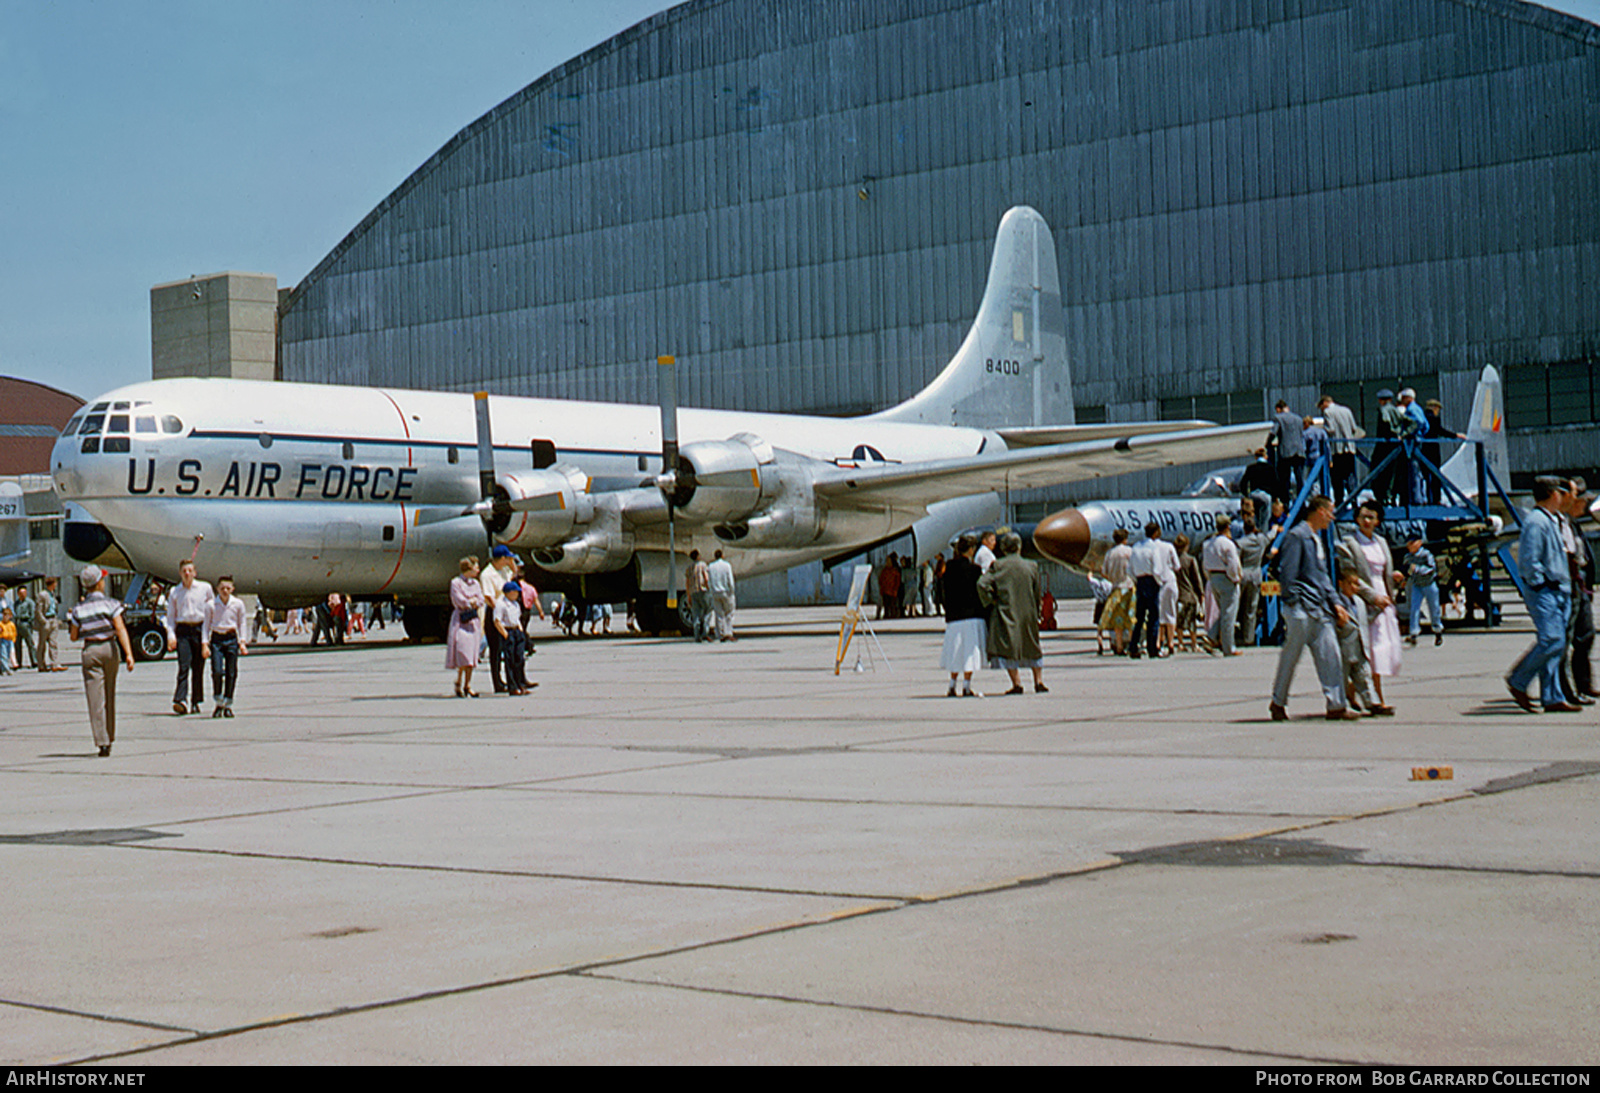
(145, 142)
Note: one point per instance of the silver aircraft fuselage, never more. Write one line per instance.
(306, 488)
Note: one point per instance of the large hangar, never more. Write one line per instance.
(1250, 198)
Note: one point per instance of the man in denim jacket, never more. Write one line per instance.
(1547, 577)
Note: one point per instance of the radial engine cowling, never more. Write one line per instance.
(795, 518)
(605, 545)
(538, 508)
(725, 481)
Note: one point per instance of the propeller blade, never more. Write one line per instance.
(480, 405)
(438, 514)
(668, 385)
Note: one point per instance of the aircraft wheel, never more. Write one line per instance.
(150, 644)
(426, 623)
(655, 618)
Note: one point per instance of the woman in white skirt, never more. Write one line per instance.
(966, 634)
(1367, 552)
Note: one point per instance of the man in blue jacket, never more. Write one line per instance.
(1542, 559)
(1311, 613)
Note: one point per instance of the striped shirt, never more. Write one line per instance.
(93, 617)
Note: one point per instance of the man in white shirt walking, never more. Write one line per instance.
(227, 638)
(189, 633)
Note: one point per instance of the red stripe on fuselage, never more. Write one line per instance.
(404, 519)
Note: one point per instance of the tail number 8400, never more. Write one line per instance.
(1004, 368)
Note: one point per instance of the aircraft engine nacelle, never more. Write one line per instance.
(726, 481)
(550, 504)
(793, 520)
(605, 545)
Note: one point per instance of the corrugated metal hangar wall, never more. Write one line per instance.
(1250, 198)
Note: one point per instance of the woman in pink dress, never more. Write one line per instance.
(466, 626)
(1369, 553)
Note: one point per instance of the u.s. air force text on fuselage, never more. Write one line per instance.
(264, 479)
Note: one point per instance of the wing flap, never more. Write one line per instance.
(1033, 436)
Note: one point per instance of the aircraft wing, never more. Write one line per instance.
(1033, 436)
(917, 485)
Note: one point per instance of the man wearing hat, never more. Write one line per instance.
(502, 570)
(98, 621)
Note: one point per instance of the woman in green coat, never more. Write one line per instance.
(1012, 588)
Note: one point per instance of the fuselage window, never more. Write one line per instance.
(265, 440)
(544, 454)
(644, 462)
(119, 424)
(92, 425)
(144, 424)
(453, 454)
(349, 450)
(170, 424)
(388, 533)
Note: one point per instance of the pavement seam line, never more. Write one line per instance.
(580, 969)
(892, 1011)
(580, 878)
(88, 1016)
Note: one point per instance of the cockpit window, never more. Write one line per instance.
(119, 422)
(119, 405)
(143, 424)
(92, 424)
(101, 406)
(170, 424)
(71, 427)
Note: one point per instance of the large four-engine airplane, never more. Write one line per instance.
(302, 489)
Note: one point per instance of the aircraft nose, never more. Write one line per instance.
(1063, 536)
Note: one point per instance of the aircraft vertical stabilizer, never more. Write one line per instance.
(1011, 369)
(1488, 424)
